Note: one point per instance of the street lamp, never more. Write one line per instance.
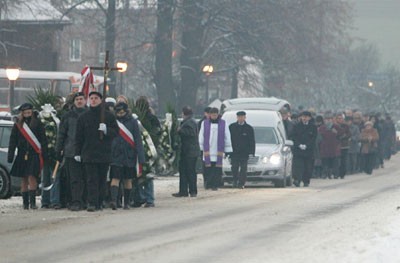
(207, 70)
(122, 66)
(12, 75)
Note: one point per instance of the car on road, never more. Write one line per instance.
(272, 161)
(8, 185)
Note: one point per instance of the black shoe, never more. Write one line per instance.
(306, 185)
(113, 206)
(193, 195)
(137, 204)
(91, 208)
(296, 183)
(25, 198)
(179, 195)
(214, 189)
(75, 207)
(147, 205)
(56, 206)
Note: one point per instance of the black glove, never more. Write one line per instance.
(10, 159)
(59, 156)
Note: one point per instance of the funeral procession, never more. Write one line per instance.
(201, 131)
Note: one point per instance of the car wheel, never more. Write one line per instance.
(5, 183)
(280, 183)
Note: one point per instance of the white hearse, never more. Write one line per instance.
(273, 157)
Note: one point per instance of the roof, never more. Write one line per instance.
(266, 103)
(265, 118)
(51, 75)
(33, 12)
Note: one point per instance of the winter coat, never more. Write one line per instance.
(330, 144)
(243, 140)
(67, 132)
(122, 153)
(344, 136)
(369, 141)
(87, 140)
(304, 134)
(288, 128)
(354, 146)
(189, 138)
(22, 167)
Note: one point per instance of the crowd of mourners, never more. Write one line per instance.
(94, 156)
(341, 143)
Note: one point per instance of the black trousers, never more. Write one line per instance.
(76, 179)
(213, 175)
(369, 162)
(343, 162)
(96, 176)
(239, 176)
(187, 175)
(302, 168)
(330, 166)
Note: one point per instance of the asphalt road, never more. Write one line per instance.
(350, 220)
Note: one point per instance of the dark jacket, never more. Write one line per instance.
(66, 133)
(122, 153)
(87, 140)
(243, 140)
(304, 134)
(17, 140)
(330, 142)
(188, 133)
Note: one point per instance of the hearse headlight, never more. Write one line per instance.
(274, 159)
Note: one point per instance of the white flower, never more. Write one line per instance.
(50, 145)
(52, 124)
(164, 134)
(149, 153)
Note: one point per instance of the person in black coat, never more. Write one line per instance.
(95, 152)
(243, 145)
(29, 162)
(65, 150)
(304, 137)
(126, 153)
(190, 150)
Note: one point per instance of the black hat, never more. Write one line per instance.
(241, 113)
(121, 106)
(25, 106)
(97, 93)
(79, 94)
(306, 113)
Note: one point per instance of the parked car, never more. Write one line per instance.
(273, 157)
(265, 103)
(397, 136)
(8, 185)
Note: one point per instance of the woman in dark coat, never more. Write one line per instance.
(126, 154)
(31, 155)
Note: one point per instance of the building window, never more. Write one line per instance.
(75, 50)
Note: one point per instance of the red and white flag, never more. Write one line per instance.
(128, 137)
(86, 81)
(32, 140)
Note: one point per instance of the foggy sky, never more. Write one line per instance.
(378, 22)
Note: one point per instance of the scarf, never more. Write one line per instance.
(220, 142)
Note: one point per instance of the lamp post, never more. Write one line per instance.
(12, 75)
(122, 66)
(207, 70)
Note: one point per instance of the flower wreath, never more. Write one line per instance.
(50, 121)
